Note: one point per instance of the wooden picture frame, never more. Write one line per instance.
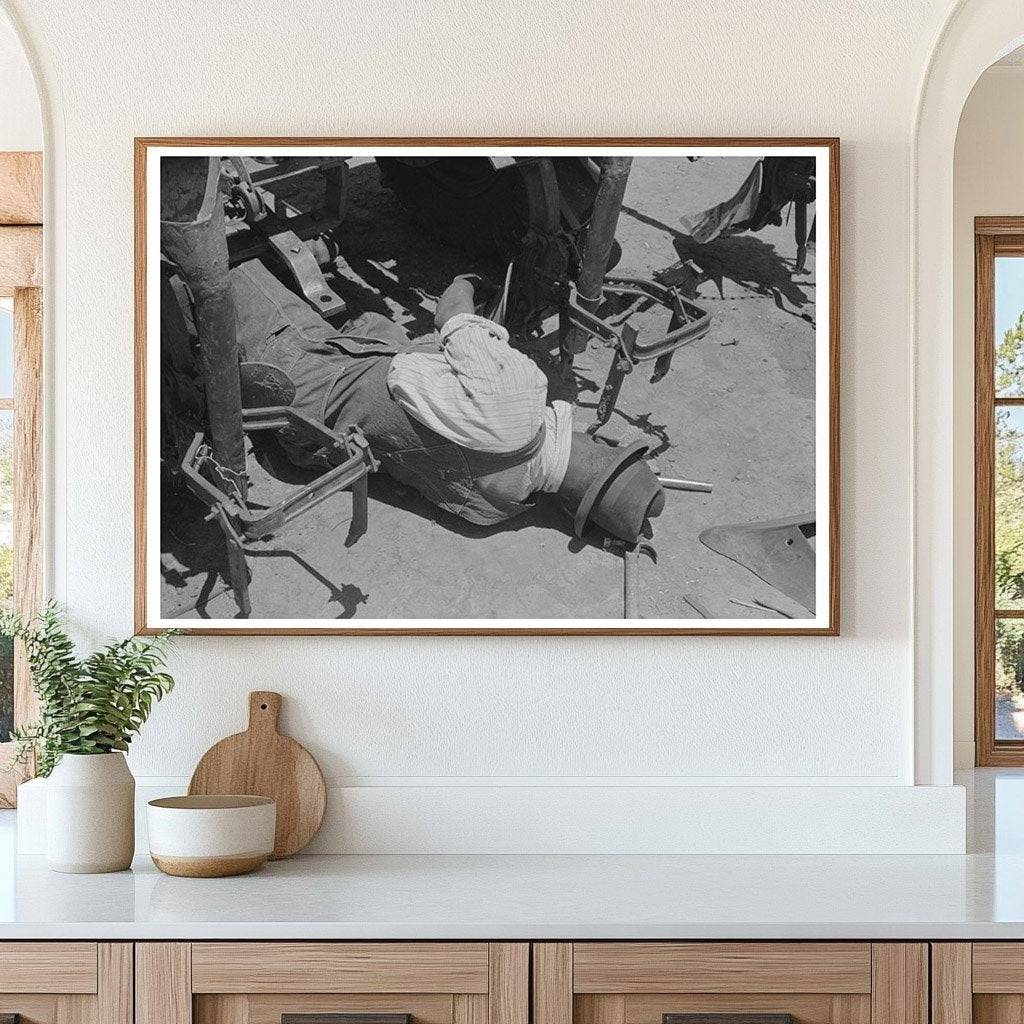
(21, 278)
(149, 150)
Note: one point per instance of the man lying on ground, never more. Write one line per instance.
(459, 415)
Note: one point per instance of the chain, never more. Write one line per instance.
(224, 476)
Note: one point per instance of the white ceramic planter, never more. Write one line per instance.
(90, 814)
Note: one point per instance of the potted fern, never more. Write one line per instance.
(89, 710)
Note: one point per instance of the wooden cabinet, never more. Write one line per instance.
(650, 982)
(261, 982)
(494, 983)
(980, 982)
(66, 982)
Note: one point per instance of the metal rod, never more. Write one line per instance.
(192, 235)
(800, 227)
(611, 189)
(674, 484)
(238, 571)
(631, 582)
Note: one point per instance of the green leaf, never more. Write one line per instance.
(89, 705)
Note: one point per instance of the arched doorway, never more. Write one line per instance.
(975, 35)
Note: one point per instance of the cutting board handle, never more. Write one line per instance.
(264, 710)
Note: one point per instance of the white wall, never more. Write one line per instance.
(988, 181)
(445, 712)
(21, 125)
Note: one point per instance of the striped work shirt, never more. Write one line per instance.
(482, 394)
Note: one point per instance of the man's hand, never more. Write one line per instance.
(456, 298)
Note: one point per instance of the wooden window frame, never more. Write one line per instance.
(21, 277)
(993, 236)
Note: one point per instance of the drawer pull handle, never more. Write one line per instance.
(728, 1018)
(341, 1018)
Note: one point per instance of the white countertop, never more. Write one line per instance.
(978, 896)
(532, 897)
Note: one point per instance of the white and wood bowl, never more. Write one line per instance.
(211, 836)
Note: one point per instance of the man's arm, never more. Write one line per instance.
(457, 298)
(477, 391)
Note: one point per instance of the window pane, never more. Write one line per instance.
(1009, 512)
(1009, 679)
(6, 567)
(1009, 324)
(6, 348)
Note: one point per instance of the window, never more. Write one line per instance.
(21, 374)
(20, 490)
(999, 490)
(6, 510)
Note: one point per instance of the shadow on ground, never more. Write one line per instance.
(743, 259)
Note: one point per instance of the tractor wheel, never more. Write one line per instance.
(463, 201)
(467, 203)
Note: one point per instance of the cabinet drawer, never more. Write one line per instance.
(998, 967)
(340, 967)
(48, 967)
(630, 967)
(264, 982)
(730, 982)
(981, 982)
(66, 982)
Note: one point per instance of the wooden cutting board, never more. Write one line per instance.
(262, 762)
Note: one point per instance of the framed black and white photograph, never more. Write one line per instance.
(487, 386)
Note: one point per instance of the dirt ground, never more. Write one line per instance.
(736, 411)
